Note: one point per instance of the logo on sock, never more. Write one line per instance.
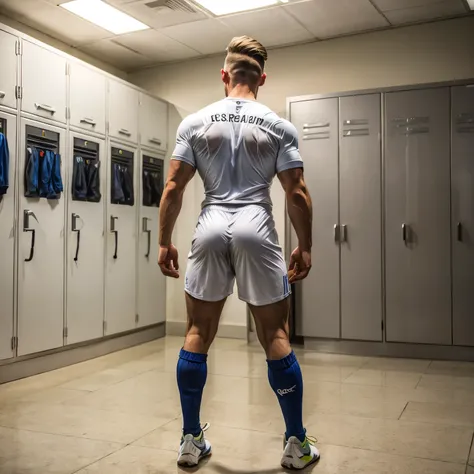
(286, 391)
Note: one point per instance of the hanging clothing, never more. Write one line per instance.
(157, 188)
(57, 180)
(4, 164)
(32, 173)
(117, 191)
(93, 181)
(127, 186)
(79, 180)
(43, 174)
(147, 198)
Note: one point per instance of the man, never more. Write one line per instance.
(237, 146)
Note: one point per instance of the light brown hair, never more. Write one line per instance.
(245, 59)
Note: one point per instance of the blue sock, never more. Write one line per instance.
(192, 375)
(286, 381)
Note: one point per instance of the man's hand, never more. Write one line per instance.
(168, 261)
(300, 265)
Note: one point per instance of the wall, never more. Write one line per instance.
(63, 47)
(432, 52)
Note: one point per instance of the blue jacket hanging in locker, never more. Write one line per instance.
(43, 174)
(4, 165)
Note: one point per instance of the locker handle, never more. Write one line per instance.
(124, 131)
(26, 228)
(404, 233)
(89, 121)
(2, 94)
(337, 233)
(148, 232)
(75, 217)
(45, 107)
(459, 229)
(344, 233)
(155, 140)
(115, 232)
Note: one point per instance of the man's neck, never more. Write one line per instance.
(242, 91)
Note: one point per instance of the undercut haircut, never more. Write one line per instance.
(245, 61)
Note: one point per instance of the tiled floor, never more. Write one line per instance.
(120, 415)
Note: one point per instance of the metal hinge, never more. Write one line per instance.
(68, 113)
(14, 343)
(18, 48)
(137, 318)
(19, 92)
(382, 325)
(65, 332)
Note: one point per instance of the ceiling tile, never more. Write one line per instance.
(331, 18)
(158, 17)
(207, 36)
(156, 46)
(272, 27)
(117, 55)
(437, 10)
(54, 21)
(386, 5)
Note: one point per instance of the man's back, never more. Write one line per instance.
(237, 146)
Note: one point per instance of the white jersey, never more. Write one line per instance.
(237, 146)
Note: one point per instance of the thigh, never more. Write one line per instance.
(209, 274)
(259, 266)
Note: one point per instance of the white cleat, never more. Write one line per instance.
(193, 449)
(298, 455)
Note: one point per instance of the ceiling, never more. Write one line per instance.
(177, 35)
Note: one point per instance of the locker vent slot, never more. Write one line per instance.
(42, 139)
(308, 126)
(86, 171)
(122, 188)
(152, 180)
(465, 123)
(412, 125)
(356, 132)
(3, 125)
(317, 136)
(356, 122)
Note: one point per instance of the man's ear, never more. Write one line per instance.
(225, 76)
(263, 79)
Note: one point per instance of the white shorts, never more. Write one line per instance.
(237, 243)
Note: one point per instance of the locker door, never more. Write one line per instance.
(44, 83)
(8, 70)
(463, 214)
(7, 239)
(360, 211)
(123, 112)
(85, 242)
(40, 280)
(153, 122)
(418, 263)
(317, 297)
(88, 93)
(121, 221)
(151, 282)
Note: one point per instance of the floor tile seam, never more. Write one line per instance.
(471, 451)
(403, 411)
(98, 460)
(152, 431)
(441, 424)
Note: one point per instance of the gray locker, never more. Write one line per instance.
(7, 239)
(8, 71)
(317, 298)
(360, 217)
(85, 238)
(417, 200)
(462, 163)
(41, 251)
(121, 245)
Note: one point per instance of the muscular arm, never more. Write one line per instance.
(179, 175)
(300, 207)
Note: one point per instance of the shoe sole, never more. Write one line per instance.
(292, 467)
(187, 461)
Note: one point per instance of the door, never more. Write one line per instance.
(8, 71)
(417, 227)
(7, 237)
(153, 122)
(44, 82)
(121, 249)
(41, 252)
(361, 223)
(85, 238)
(151, 282)
(317, 298)
(462, 162)
(123, 112)
(88, 93)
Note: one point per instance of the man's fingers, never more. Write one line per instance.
(167, 271)
(301, 275)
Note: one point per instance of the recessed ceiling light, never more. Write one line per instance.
(226, 7)
(105, 16)
(471, 4)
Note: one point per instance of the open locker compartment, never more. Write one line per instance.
(121, 247)
(41, 247)
(85, 239)
(7, 242)
(151, 289)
